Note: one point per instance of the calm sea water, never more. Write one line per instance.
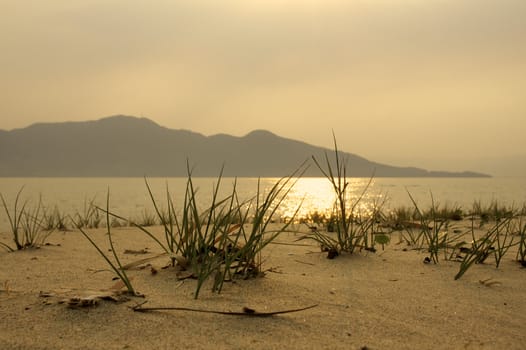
(129, 196)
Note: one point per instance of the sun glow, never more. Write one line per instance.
(287, 5)
(315, 196)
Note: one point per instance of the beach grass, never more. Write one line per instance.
(55, 220)
(491, 211)
(33, 226)
(90, 217)
(15, 217)
(116, 265)
(353, 228)
(222, 240)
(433, 230)
(496, 240)
(27, 224)
(521, 233)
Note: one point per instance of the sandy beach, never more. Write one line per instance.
(384, 300)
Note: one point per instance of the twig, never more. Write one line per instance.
(294, 244)
(246, 311)
(304, 262)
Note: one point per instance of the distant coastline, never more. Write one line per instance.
(124, 146)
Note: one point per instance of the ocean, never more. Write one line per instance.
(129, 197)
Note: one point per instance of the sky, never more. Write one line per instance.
(438, 84)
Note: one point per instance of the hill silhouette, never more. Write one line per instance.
(125, 146)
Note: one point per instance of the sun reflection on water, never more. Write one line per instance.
(317, 196)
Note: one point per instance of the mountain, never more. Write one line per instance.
(129, 146)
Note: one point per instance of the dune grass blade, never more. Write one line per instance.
(137, 225)
(167, 222)
(504, 240)
(432, 228)
(14, 220)
(325, 241)
(117, 267)
(32, 226)
(521, 231)
(483, 247)
(474, 254)
(6, 247)
(229, 240)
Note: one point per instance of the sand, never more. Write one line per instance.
(384, 300)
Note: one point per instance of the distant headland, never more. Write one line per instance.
(125, 146)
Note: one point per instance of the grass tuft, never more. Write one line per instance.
(225, 239)
(27, 225)
(354, 229)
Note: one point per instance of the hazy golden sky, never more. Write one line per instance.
(433, 83)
